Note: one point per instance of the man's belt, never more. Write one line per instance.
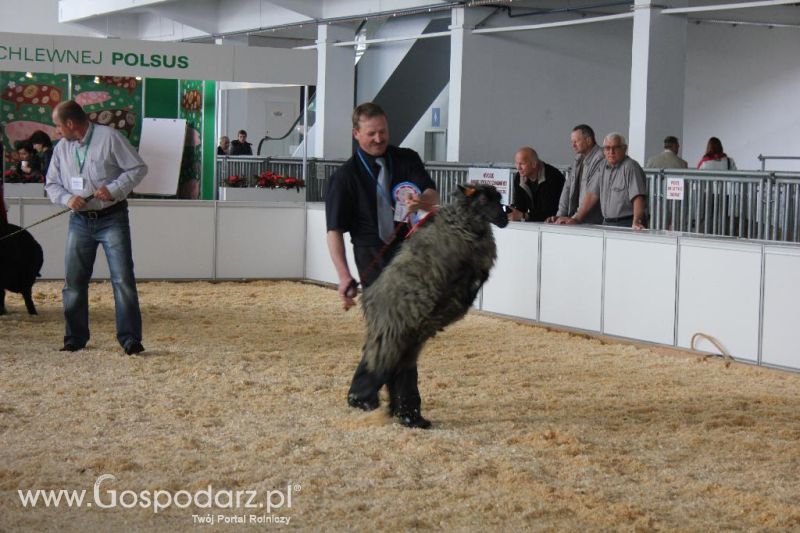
(100, 213)
(628, 218)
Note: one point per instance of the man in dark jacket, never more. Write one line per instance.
(240, 146)
(372, 196)
(537, 187)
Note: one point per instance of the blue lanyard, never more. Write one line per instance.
(85, 151)
(372, 175)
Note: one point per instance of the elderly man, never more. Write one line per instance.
(537, 187)
(585, 170)
(621, 189)
(224, 145)
(669, 157)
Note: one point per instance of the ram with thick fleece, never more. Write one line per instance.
(21, 258)
(433, 280)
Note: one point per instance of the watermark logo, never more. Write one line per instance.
(103, 496)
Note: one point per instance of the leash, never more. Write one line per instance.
(352, 288)
(4, 237)
(372, 264)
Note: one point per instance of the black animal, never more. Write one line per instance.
(21, 259)
(433, 280)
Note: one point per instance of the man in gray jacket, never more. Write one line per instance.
(669, 157)
(585, 169)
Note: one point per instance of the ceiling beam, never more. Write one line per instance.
(573, 22)
(75, 10)
(726, 7)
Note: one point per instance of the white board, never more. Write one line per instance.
(161, 148)
(500, 178)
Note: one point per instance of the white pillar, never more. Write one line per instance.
(658, 72)
(335, 88)
(465, 59)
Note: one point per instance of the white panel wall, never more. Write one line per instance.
(738, 83)
(51, 235)
(629, 278)
(639, 300)
(13, 212)
(260, 240)
(318, 261)
(513, 287)
(572, 277)
(319, 266)
(180, 246)
(781, 337)
(170, 239)
(720, 286)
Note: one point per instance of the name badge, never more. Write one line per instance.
(78, 183)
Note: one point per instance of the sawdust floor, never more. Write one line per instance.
(243, 388)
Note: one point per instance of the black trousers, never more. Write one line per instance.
(402, 383)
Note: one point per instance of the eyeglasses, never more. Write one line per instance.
(611, 148)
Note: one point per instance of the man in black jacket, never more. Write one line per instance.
(240, 146)
(537, 187)
(373, 196)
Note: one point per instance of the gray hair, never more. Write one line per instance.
(615, 136)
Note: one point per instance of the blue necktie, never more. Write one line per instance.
(385, 214)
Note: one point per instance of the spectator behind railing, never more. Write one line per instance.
(224, 145)
(621, 189)
(537, 187)
(715, 157)
(585, 168)
(44, 148)
(669, 157)
(28, 168)
(241, 146)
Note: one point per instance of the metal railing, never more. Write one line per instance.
(763, 159)
(747, 204)
(753, 205)
(446, 175)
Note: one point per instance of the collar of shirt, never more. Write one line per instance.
(88, 135)
(540, 176)
(371, 159)
(618, 164)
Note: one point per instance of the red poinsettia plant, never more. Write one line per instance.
(15, 176)
(236, 181)
(271, 180)
(267, 180)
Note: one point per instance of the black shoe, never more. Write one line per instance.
(134, 348)
(364, 405)
(413, 419)
(69, 347)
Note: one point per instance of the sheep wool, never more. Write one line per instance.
(433, 279)
(21, 259)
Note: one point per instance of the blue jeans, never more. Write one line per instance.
(84, 234)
